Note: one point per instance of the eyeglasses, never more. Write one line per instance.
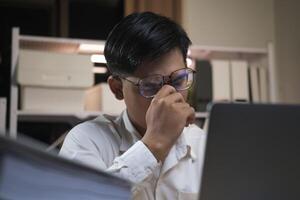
(181, 79)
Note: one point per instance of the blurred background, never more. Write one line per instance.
(243, 51)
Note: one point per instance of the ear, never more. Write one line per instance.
(115, 85)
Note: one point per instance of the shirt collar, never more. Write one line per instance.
(131, 136)
(130, 128)
(190, 148)
(180, 150)
(183, 148)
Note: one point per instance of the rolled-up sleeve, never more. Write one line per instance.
(136, 164)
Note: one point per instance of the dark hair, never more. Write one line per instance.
(142, 37)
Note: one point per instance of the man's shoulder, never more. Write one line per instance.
(101, 126)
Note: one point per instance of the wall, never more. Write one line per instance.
(287, 45)
(244, 23)
(237, 23)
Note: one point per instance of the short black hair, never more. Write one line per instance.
(142, 37)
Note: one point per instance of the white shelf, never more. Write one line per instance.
(218, 52)
(73, 117)
(43, 39)
(203, 115)
(61, 45)
(230, 49)
(79, 115)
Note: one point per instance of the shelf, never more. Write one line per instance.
(203, 115)
(70, 117)
(61, 45)
(235, 53)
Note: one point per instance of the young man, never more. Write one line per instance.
(154, 142)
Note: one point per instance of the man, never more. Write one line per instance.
(154, 142)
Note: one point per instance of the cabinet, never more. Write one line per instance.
(57, 45)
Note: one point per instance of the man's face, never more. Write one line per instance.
(137, 105)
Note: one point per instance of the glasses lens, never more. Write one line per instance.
(149, 86)
(182, 79)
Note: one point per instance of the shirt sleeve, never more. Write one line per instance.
(137, 164)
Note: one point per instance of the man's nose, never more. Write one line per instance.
(167, 80)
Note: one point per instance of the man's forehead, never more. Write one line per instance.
(161, 71)
(164, 65)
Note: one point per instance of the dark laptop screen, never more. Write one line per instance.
(252, 152)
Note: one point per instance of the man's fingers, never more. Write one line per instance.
(188, 112)
(165, 91)
(175, 98)
(191, 117)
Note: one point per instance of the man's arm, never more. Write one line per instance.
(136, 164)
(166, 117)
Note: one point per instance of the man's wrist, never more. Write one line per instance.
(157, 149)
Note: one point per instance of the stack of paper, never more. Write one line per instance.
(53, 81)
(221, 80)
(263, 84)
(240, 82)
(101, 98)
(255, 90)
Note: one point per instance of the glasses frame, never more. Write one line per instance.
(166, 80)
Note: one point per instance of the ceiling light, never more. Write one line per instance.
(97, 58)
(99, 70)
(91, 48)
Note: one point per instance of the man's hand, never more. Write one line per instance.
(166, 117)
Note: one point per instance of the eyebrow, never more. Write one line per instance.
(184, 67)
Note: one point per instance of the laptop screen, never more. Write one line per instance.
(252, 152)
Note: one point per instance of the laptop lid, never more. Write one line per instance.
(27, 173)
(252, 152)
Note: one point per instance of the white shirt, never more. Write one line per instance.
(114, 145)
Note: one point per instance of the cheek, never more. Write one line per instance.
(137, 105)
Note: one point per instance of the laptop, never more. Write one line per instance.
(252, 153)
(27, 173)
